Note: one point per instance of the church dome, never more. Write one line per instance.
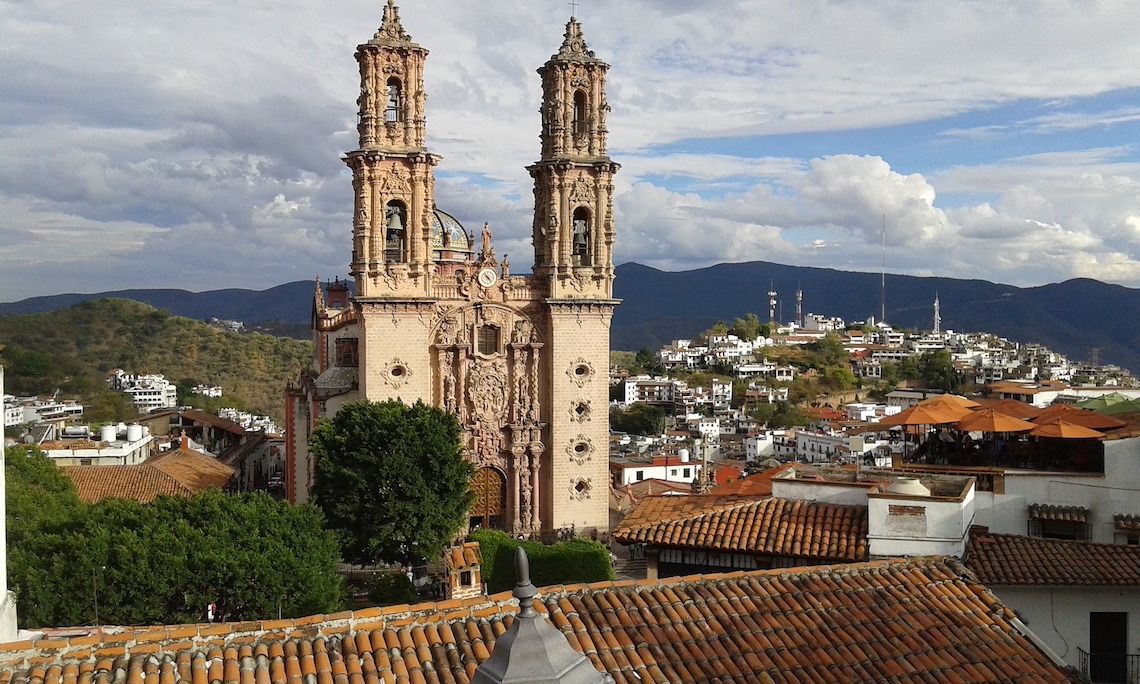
(447, 233)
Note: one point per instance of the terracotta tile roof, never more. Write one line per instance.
(1005, 559)
(181, 472)
(753, 486)
(199, 416)
(465, 556)
(196, 470)
(920, 620)
(1053, 512)
(778, 527)
(137, 482)
(1127, 523)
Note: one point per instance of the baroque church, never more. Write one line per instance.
(435, 315)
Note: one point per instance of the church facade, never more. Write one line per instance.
(437, 316)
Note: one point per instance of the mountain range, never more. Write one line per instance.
(1081, 318)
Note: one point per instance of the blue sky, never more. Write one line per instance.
(199, 146)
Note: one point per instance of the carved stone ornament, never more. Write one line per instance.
(580, 411)
(523, 332)
(580, 489)
(488, 391)
(580, 371)
(582, 192)
(395, 184)
(450, 331)
(580, 280)
(581, 449)
(396, 373)
(395, 276)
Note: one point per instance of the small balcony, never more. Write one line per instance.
(1109, 668)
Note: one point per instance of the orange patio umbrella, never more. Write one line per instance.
(1078, 416)
(1065, 430)
(949, 404)
(922, 415)
(989, 420)
(952, 400)
(1015, 408)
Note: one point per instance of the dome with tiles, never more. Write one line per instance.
(448, 233)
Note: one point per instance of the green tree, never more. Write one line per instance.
(647, 361)
(747, 328)
(387, 588)
(936, 370)
(162, 562)
(109, 406)
(839, 378)
(638, 419)
(391, 480)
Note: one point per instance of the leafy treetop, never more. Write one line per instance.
(391, 480)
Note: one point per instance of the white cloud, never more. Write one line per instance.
(197, 145)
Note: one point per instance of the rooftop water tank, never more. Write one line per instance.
(107, 433)
(684, 454)
(134, 432)
(909, 486)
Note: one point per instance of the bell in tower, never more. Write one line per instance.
(573, 224)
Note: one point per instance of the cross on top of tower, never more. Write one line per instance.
(573, 8)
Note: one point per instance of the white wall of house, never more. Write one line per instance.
(1060, 615)
(1104, 496)
(918, 526)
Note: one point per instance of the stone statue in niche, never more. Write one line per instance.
(450, 400)
(525, 500)
(523, 332)
(522, 393)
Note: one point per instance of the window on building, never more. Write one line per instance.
(687, 472)
(395, 101)
(488, 340)
(1059, 529)
(639, 475)
(465, 578)
(346, 352)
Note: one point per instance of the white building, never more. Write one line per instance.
(147, 392)
(679, 468)
(906, 516)
(116, 445)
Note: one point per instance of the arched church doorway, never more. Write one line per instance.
(490, 499)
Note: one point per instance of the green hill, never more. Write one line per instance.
(73, 350)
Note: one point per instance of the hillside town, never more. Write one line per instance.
(809, 501)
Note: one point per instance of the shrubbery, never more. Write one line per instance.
(568, 562)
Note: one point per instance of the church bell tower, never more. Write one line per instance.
(392, 170)
(573, 181)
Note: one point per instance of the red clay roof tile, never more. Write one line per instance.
(1003, 559)
(779, 527)
(902, 621)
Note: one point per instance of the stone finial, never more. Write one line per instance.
(574, 43)
(533, 650)
(390, 28)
